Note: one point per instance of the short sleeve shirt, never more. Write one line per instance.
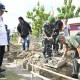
(67, 27)
(48, 29)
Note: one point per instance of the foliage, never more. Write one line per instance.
(37, 17)
(68, 10)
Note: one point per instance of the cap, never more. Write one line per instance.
(51, 19)
(2, 7)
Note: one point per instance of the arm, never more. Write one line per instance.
(69, 29)
(19, 30)
(65, 50)
(78, 49)
(29, 27)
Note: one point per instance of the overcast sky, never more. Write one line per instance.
(18, 8)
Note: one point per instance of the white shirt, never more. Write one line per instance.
(66, 32)
(3, 33)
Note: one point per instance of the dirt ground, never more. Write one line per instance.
(25, 58)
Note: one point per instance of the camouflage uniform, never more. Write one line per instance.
(73, 42)
(47, 44)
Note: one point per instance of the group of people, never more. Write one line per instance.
(52, 29)
(57, 33)
(24, 29)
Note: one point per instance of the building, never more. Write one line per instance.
(74, 24)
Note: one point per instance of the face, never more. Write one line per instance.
(21, 21)
(1, 12)
(66, 20)
(62, 41)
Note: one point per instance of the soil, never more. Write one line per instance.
(25, 58)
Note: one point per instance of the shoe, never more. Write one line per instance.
(1, 70)
(2, 75)
(27, 50)
(74, 76)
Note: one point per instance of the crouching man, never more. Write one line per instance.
(72, 42)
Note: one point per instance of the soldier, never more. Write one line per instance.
(48, 31)
(72, 42)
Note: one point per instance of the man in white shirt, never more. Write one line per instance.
(3, 38)
(66, 28)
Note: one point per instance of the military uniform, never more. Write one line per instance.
(47, 44)
(73, 42)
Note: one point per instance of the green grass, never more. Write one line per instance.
(9, 75)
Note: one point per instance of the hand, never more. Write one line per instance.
(62, 56)
(78, 61)
(50, 38)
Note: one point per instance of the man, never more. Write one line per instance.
(72, 43)
(66, 28)
(48, 31)
(3, 37)
(8, 37)
(58, 31)
(24, 30)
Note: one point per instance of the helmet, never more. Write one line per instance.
(2, 7)
(51, 19)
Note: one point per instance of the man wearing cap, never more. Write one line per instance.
(3, 37)
(48, 31)
(72, 43)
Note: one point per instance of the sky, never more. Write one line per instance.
(18, 8)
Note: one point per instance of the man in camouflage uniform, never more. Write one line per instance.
(48, 31)
(72, 42)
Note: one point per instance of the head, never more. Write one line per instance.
(51, 19)
(66, 20)
(58, 17)
(21, 20)
(61, 39)
(2, 9)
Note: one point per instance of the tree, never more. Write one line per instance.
(38, 17)
(68, 10)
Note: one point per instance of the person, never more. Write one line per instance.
(3, 38)
(24, 30)
(48, 31)
(8, 37)
(58, 31)
(66, 28)
(72, 43)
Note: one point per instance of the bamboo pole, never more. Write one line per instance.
(40, 76)
(58, 74)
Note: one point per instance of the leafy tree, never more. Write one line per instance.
(38, 17)
(68, 10)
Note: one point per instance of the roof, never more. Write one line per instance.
(74, 20)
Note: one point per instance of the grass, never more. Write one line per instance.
(11, 76)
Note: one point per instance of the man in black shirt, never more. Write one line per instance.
(58, 28)
(24, 29)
